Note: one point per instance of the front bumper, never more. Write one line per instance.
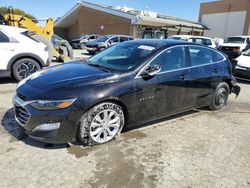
(243, 72)
(30, 118)
(232, 54)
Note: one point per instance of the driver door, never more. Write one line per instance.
(165, 92)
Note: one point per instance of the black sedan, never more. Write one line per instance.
(125, 85)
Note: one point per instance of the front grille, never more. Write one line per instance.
(229, 49)
(22, 115)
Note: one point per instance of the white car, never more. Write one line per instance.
(197, 39)
(234, 45)
(20, 55)
(242, 69)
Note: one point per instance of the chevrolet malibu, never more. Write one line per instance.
(128, 84)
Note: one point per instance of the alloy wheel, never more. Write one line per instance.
(104, 126)
(25, 69)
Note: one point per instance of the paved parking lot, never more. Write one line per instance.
(196, 149)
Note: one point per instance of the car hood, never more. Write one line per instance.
(66, 74)
(233, 45)
(75, 40)
(243, 61)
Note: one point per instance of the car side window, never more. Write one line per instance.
(3, 37)
(217, 57)
(123, 39)
(92, 37)
(171, 59)
(115, 39)
(200, 56)
(248, 41)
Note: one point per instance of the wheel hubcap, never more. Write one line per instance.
(26, 69)
(221, 97)
(104, 126)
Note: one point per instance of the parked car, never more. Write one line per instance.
(21, 55)
(84, 41)
(235, 45)
(197, 39)
(105, 42)
(81, 42)
(126, 85)
(242, 69)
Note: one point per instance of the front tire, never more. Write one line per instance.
(22, 68)
(101, 124)
(220, 97)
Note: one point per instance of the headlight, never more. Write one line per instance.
(52, 105)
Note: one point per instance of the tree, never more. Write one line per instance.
(4, 10)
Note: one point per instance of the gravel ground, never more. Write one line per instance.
(196, 149)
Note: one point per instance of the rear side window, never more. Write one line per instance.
(123, 39)
(217, 57)
(200, 56)
(171, 59)
(3, 37)
(206, 42)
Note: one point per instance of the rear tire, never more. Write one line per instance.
(22, 68)
(220, 97)
(101, 124)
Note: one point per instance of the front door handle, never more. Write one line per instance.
(183, 77)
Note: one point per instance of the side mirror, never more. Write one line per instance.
(111, 41)
(151, 71)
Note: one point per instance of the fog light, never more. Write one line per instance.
(47, 127)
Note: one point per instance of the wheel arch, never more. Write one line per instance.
(25, 55)
(112, 100)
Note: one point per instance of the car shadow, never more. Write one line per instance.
(191, 112)
(7, 80)
(10, 125)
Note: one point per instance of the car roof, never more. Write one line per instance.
(161, 42)
(117, 36)
(191, 36)
(11, 29)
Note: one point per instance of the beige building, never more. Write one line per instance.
(226, 18)
(89, 18)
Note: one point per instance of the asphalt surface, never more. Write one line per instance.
(199, 148)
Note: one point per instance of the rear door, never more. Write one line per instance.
(203, 75)
(7, 50)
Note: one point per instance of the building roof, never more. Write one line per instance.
(136, 17)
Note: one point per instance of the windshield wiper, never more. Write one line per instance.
(100, 66)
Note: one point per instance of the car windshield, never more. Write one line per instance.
(247, 53)
(84, 37)
(123, 57)
(237, 40)
(103, 39)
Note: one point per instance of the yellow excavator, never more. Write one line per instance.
(61, 50)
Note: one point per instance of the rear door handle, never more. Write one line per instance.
(183, 77)
(216, 70)
(10, 49)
